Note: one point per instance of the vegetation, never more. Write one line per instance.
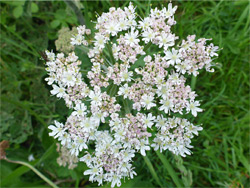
(221, 154)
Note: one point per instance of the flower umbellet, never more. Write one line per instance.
(151, 86)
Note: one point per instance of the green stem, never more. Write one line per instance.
(170, 169)
(34, 170)
(145, 49)
(147, 46)
(152, 170)
(126, 106)
(76, 10)
(111, 53)
(193, 82)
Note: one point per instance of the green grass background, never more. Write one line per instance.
(221, 152)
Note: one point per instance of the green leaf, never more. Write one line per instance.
(55, 23)
(60, 14)
(34, 7)
(18, 11)
(15, 3)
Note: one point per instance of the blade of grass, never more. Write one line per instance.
(152, 170)
(20, 104)
(170, 169)
(24, 41)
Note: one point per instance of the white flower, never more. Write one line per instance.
(172, 57)
(101, 116)
(183, 66)
(170, 12)
(147, 101)
(126, 76)
(87, 159)
(80, 110)
(81, 29)
(119, 135)
(145, 23)
(112, 28)
(181, 150)
(124, 91)
(149, 120)
(166, 40)
(51, 79)
(31, 157)
(148, 35)
(162, 90)
(77, 40)
(166, 105)
(93, 171)
(65, 139)
(157, 142)
(128, 155)
(50, 55)
(194, 129)
(58, 130)
(131, 38)
(100, 41)
(160, 121)
(95, 97)
(116, 180)
(123, 25)
(156, 80)
(174, 77)
(73, 149)
(192, 106)
(80, 143)
(115, 50)
(96, 67)
(69, 79)
(58, 91)
(144, 147)
(89, 123)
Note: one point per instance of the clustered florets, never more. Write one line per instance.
(121, 105)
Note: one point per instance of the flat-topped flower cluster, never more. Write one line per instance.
(132, 98)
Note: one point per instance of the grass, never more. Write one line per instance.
(221, 154)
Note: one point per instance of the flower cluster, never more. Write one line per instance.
(129, 95)
(65, 157)
(64, 38)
